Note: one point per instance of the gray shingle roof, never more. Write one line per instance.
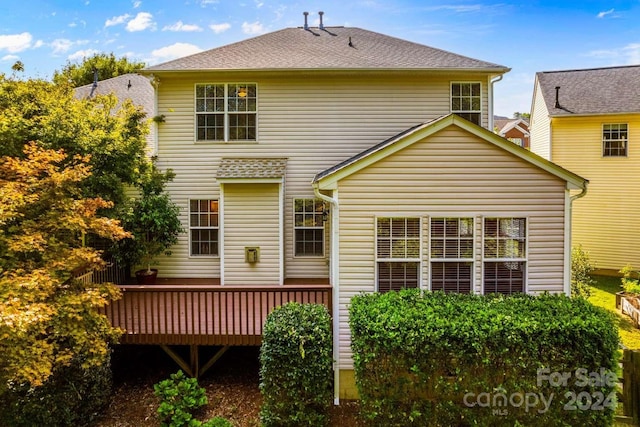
(332, 48)
(592, 91)
(135, 87)
(251, 168)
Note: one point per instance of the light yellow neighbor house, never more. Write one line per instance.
(344, 156)
(589, 122)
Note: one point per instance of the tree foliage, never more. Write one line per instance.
(106, 65)
(37, 110)
(47, 318)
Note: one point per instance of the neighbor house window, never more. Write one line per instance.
(451, 253)
(615, 139)
(308, 227)
(226, 112)
(466, 101)
(203, 227)
(505, 255)
(398, 253)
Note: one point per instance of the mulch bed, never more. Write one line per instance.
(231, 385)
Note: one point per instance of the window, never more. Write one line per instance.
(451, 254)
(466, 101)
(398, 253)
(309, 227)
(203, 227)
(226, 112)
(504, 255)
(614, 140)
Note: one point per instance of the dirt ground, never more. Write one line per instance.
(231, 385)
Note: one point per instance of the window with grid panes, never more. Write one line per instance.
(505, 255)
(308, 227)
(451, 254)
(615, 139)
(398, 253)
(226, 112)
(203, 227)
(466, 101)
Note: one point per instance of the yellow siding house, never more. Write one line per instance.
(588, 121)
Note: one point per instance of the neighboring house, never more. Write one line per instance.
(515, 130)
(130, 86)
(347, 157)
(589, 122)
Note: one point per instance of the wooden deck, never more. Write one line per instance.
(201, 312)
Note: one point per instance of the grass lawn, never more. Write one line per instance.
(603, 294)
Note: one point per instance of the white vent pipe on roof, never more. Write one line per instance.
(306, 24)
(321, 24)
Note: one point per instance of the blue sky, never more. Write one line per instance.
(526, 36)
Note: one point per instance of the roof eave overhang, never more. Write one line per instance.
(279, 180)
(493, 71)
(617, 113)
(330, 180)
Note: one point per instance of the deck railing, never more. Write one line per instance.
(203, 315)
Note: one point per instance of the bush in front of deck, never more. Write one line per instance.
(454, 359)
(296, 377)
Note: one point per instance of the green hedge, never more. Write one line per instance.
(296, 376)
(453, 359)
(72, 396)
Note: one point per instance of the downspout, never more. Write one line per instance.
(568, 236)
(491, 83)
(335, 282)
(155, 82)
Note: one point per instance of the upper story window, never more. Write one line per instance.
(615, 139)
(451, 252)
(203, 227)
(466, 101)
(309, 227)
(226, 112)
(397, 253)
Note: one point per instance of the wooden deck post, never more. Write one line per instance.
(631, 384)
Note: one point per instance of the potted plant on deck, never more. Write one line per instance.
(153, 220)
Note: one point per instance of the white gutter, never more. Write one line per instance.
(567, 236)
(491, 83)
(335, 282)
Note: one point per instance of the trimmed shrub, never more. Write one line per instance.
(296, 376)
(72, 396)
(453, 359)
(581, 271)
(630, 280)
(179, 397)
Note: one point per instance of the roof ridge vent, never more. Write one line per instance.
(321, 26)
(306, 24)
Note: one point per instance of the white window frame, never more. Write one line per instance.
(444, 258)
(505, 259)
(200, 227)
(303, 227)
(391, 259)
(227, 113)
(625, 141)
(462, 112)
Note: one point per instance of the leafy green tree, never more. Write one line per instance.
(49, 319)
(37, 110)
(518, 115)
(106, 65)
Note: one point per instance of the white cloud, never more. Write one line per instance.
(137, 4)
(627, 55)
(14, 43)
(461, 8)
(220, 28)
(117, 20)
(81, 54)
(180, 26)
(10, 58)
(605, 13)
(142, 21)
(61, 45)
(204, 3)
(176, 50)
(38, 43)
(252, 29)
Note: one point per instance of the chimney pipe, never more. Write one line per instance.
(321, 24)
(558, 97)
(306, 15)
